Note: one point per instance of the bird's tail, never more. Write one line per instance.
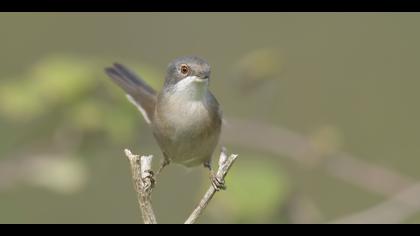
(138, 92)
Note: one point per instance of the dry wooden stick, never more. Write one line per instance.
(393, 210)
(141, 169)
(225, 163)
(342, 165)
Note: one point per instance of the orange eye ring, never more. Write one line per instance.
(184, 69)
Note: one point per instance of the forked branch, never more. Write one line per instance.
(143, 179)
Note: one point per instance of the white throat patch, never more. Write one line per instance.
(191, 88)
(186, 104)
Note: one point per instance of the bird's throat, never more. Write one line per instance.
(191, 88)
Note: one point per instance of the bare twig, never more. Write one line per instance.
(225, 163)
(394, 210)
(141, 169)
(366, 175)
(297, 147)
(402, 191)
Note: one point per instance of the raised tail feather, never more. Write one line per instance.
(138, 92)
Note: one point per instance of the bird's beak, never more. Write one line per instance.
(202, 78)
(206, 75)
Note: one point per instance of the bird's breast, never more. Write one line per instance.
(189, 118)
(188, 130)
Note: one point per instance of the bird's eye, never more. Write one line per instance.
(185, 69)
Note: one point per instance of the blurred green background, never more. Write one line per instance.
(321, 107)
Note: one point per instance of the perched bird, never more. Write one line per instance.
(184, 116)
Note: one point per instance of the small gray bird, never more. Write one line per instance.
(185, 117)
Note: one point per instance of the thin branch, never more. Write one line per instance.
(394, 210)
(225, 163)
(367, 175)
(297, 147)
(141, 169)
(402, 191)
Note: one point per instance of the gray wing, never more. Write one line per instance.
(138, 91)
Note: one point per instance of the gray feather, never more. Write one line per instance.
(142, 95)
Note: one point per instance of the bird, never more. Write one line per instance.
(185, 117)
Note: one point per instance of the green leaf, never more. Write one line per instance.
(18, 101)
(63, 78)
(256, 190)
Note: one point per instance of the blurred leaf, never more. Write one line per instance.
(256, 191)
(63, 175)
(87, 115)
(19, 102)
(120, 125)
(52, 80)
(62, 78)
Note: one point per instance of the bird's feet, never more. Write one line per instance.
(218, 183)
(163, 164)
(149, 180)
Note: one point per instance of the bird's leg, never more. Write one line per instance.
(163, 164)
(218, 184)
